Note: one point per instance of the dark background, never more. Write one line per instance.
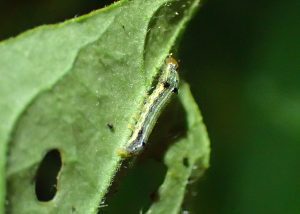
(242, 59)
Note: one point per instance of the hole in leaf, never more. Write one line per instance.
(137, 190)
(46, 176)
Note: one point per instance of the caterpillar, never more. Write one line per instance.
(167, 85)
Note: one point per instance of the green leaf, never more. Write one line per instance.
(60, 87)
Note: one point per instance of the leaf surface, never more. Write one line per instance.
(60, 87)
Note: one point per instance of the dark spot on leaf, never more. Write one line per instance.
(185, 162)
(111, 127)
(46, 176)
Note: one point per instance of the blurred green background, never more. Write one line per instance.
(242, 59)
